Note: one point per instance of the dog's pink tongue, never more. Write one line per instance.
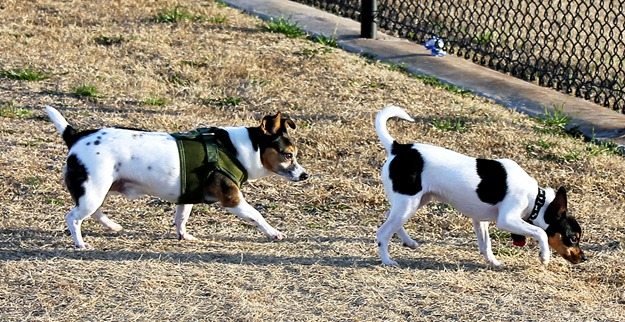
(519, 243)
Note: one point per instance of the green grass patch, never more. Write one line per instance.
(32, 181)
(435, 82)
(25, 74)
(313, 52)
(228, 101)
(108, 40)
(326, 41)
(155, 101)
(428, 80)
(600, 147)
(9, 110)
(194, 64)
(285, 27)
(54, 201)
(553, 121)
(483, 38)
(450, 124)
(218, 19)
(86, 90)
(175, 15)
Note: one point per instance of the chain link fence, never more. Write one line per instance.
(577, 47)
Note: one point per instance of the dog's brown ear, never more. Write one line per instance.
(271, 124)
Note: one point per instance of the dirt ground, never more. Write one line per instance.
(220, 67)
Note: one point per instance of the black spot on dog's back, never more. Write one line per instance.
(71, 136)
(405, 169)
(75, 176)
(493, 186)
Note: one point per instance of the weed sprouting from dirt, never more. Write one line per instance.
(328, 41)
(450, 124)
(285, 27)
(9, 110)
(87, 91)
(25, 74)
(175, 15)
(155, 101)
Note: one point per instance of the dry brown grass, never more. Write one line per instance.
(327, 268)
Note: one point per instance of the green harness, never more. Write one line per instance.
(201, 154)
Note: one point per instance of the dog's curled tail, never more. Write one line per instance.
(62, 126)
(380, 124)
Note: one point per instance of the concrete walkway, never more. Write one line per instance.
(589, 118)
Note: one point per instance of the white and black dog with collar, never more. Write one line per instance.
(136, 162)
(485, 190)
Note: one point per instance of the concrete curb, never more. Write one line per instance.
(592, 120)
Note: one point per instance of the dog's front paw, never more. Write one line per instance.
(83, 246)
(494, 262)
(545, 258)
(186, 236)
(411, 244)
(114, 227)
(276, 235)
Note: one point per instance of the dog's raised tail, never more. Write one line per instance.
(62, 126)
(380, 124)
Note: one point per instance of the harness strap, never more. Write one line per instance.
(202, 153)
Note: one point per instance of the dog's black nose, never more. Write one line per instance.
(303, 176)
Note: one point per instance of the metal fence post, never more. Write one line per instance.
(368, 27)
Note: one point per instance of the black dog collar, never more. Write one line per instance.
(539, 203)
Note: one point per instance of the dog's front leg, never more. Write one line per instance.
(248, 214)
(180, 220)
(483, 241)
(511, 221)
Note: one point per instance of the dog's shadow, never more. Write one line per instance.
(26, 244)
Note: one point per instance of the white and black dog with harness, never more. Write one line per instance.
(483, 189)
(205, 165)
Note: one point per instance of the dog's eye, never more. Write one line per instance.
(573, 239)
(287, 156)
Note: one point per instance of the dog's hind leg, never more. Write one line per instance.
(108, 223)
(86, 206)
(402, 208)
(180, 220)
(483, 241)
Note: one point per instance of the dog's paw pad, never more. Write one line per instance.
(83, 246)
(411, 245)
(114, 228)
(186, 237)
(278, 236)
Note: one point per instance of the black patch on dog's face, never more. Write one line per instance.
(405, 169)
(564, 232)
(493, 186)
(75, 175)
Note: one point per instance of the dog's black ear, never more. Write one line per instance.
(557, 208)
(561, 202)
